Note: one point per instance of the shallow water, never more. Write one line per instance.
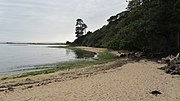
(15, 58)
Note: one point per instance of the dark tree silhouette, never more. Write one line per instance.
(80, 27)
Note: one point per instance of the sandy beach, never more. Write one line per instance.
(115, 81)
(131, 82)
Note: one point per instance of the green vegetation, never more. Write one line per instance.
(104, 57)
(146, 25)
(79, 52)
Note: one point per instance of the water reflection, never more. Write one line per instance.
(83, 53)
(68, 51)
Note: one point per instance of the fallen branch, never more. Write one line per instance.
(173, 64)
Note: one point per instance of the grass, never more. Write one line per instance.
(104, 57)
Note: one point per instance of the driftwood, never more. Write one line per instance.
(173, 64)
(124, 53)
(171, 59)
(139, 54)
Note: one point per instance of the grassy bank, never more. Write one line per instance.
(104, 57)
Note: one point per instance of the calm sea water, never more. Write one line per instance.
(15, 58)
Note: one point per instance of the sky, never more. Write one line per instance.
(52, 20)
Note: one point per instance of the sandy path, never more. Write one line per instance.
(131, 82)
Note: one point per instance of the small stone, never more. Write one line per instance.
(28, 79)
(159, 61)
(75, 77)
(10, 88)
(155, 92)
(29, 86)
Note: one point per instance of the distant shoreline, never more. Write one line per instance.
(33, 43)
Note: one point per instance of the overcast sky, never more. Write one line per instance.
(52, 20)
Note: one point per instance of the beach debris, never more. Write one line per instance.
(96, 57)
(155, 92)
(124, 53)
(171, 59)
(138, 54)
(10, 88)
(173, 64)
(28, 79)
(27, 87)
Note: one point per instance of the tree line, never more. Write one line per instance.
(146, 25)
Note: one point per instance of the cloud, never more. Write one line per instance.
(37, 20)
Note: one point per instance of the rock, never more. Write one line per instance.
(96, 57)
(138, 54)
(122, 55)
(78, 74)
(29, 86)
(155, 92)
(26, 87)
(75, 77)
(28, 79)
(159, 61)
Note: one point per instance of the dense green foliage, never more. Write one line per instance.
(146, 25)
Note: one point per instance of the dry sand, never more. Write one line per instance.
(92, 49)
(131, 82)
